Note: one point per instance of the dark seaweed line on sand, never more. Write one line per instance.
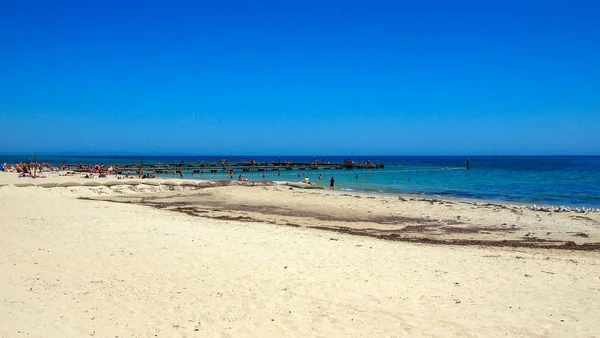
(467, 242)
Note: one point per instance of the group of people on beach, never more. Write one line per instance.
(29, 168)
(110, 171)
(33, 169)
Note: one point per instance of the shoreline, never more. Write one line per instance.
(7, 178)
(535, 206)
(551, 181)
(435, 196)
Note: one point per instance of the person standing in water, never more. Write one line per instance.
(331, 183)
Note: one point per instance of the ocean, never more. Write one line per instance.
(572, 181)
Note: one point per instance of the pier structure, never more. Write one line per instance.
(227, 167)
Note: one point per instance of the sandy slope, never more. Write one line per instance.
(385, 217)
(73, 267)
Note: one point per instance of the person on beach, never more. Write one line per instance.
(331, 183)
(140, 171)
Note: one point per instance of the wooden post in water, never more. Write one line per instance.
(35, 165)
(468, 164)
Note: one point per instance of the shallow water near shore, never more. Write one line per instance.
(549, 180)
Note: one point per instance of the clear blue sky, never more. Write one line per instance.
(300, 77)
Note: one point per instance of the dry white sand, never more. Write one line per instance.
(73, 267)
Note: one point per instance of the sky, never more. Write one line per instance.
(300, 77)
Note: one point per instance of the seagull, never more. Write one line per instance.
(528, 234)
(470, 218)
(458, 217)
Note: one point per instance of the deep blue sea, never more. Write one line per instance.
(544, 180)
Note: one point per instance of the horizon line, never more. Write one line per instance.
(285, 155)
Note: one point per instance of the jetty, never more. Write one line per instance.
(224, 166)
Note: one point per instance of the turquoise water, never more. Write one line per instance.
(550, 180)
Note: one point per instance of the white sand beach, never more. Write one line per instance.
(74, 267)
